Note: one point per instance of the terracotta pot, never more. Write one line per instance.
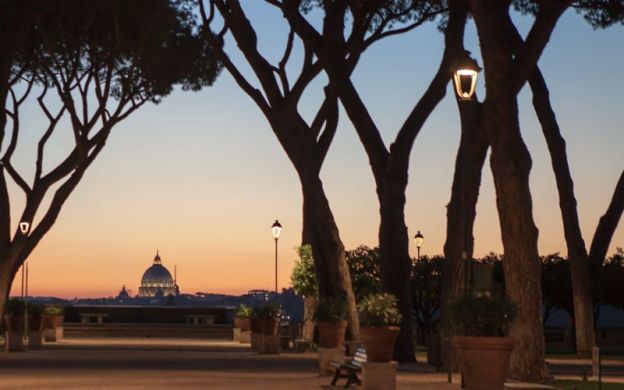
(34, 323)
(379, 342)
(243, 323)
(331, 334)
(14, 324)
(269, 325)
(484, 361)
(52, 322)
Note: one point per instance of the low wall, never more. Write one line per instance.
(145, 314)
(76, 330)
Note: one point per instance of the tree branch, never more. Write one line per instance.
(242, 82)
(535, 42)
(606, 227)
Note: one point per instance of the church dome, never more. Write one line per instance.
(157, 280)
(157, 276)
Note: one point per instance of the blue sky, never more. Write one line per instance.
(201, 176)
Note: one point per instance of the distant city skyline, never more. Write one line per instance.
(201, 177)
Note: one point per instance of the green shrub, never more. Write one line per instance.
(266, 312)
(480, 315)
(303, 277)
(331, 309)
(53, 310)
(243, 311)
(379, 310)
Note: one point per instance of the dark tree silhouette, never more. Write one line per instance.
(102, 60)
(306, 144)
(599, 15)
(339, 53)
(506, 70)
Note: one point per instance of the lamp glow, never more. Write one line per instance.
(24, 227)
(276, 229)
(418, 239)
(465, 81)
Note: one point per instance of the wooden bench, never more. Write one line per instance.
(351, 369)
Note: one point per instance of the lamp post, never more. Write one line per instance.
(465, 74)
(418, 239)
(276, 229)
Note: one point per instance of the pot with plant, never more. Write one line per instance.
(267, 318)
(241, 318)
(14, 310)
(53, 316)
(379, 326)
(480, 326)
(330, 316)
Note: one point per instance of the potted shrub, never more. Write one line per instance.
(14, 315)
(53, 316)
(379, 326)
(480, 328)
(241, 317)
(267, 318)
(330, 316)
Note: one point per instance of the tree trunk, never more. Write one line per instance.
(462, 208)
(511, 165)
(328, 251)
(7, 273)
(309, 305)
(577, 252)
(606, 228)
(396, 264)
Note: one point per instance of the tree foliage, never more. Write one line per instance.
(102, 60)
(303, 277)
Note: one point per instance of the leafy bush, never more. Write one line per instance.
(303, 277)
(266, 312)
(486, 316)
(243, 311)
(379, 310)
(14, 307)
(53, 310)
(331, 309)
(364, 267)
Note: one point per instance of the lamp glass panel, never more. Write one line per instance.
(465, 83)
(276, 231)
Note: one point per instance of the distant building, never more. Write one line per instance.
(259, 297)
(123, 294)
(157, 281)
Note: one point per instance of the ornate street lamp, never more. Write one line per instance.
(465, 77)
(276, 229)
(418, 239)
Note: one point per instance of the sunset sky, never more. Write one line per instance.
(201, 177)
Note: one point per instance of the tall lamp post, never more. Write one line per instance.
(465, 80)
(276, 229)
(418, 239)
(24, 228)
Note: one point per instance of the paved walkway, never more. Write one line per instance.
(175, 364)
(108, 363)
